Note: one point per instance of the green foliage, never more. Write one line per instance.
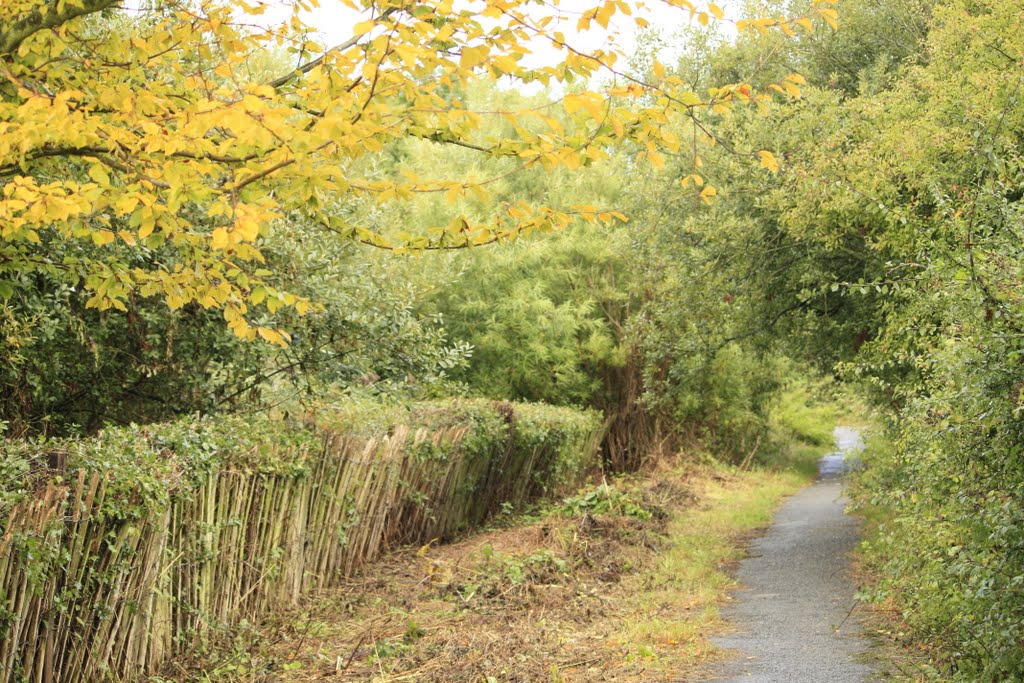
(942, 208)
(605, 499)
(888, 249)
(499, 568)
(948, 490)
(804, 412)
(548, 319)
(68, 369)
(543, 317)
(566, 438)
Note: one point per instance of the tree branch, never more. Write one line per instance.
(51, 14)
(309, 66)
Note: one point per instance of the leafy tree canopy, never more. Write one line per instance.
(149, 153)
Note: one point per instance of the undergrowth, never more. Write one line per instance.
(619, 582)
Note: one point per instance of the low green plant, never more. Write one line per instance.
(605, 499)
(501, 568)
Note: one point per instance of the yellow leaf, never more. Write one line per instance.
(691, 99)
(101, 237)
(99, 173)
(830, 16)
(247, 228)
(272, 336)
(362, 28)
(240, 327)
(147, 226)
(707, 193)
(590, 101)
(481, 193)
(264, 90)
(219, 239)
(474, 56)
(716, 11)
(791, 89)
(769, 161)
(670, 139)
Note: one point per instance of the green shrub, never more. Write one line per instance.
(605, 499)
(946, 486)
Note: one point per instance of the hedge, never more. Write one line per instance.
(122, 550)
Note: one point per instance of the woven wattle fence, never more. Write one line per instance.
(120, 551)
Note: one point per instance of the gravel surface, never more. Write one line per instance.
(793, 616)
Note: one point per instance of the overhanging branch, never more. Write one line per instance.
(50, 14)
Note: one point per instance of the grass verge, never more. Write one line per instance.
(675, 608)
(620, 583)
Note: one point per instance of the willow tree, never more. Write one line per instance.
(146, 140)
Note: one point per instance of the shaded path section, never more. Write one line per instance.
(793, 622)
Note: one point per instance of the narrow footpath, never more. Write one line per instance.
(795, 617)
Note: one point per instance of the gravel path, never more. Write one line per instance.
(793, 621)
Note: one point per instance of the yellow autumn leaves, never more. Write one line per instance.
(768, 161)
(154, 132)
